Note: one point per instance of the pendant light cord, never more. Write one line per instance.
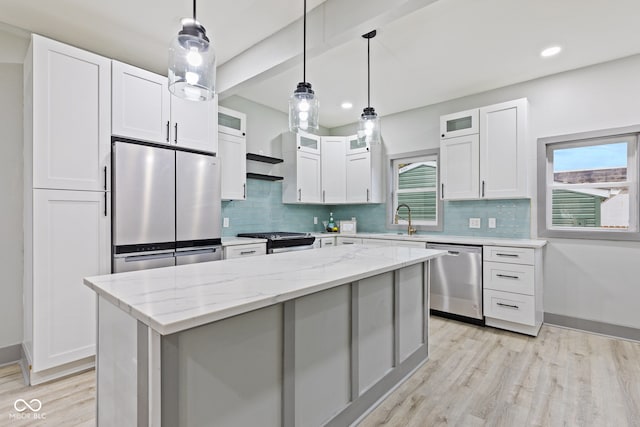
(304, 43)
(194, 10)
(368, 73)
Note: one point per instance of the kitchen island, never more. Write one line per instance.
(293, 339)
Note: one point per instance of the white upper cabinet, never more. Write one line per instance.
(364, 173)
(231, 122)
(460, 167)
(233, 166)
(487, 164)
(194, 124)
(503, 166)
(459, 124)
(308, 143)
(359, 178)
(334, 169)
(331, 170)
(309, 188)
(68, 111)
(355, 145)
(301, 168)
(140, 104)
(144, 109)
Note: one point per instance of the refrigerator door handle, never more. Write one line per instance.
(134, 258)
(196, 252)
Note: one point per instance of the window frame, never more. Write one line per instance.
(546, 147)
(392, 159)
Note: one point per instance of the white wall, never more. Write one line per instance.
(594, 280)
(11, 166)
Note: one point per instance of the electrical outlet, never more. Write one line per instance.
(474, 222)
(225, 222)
(492, 223)
(315, 220)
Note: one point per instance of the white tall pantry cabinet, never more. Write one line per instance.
(67, 167)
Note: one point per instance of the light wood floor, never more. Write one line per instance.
(68, 402)
(474, 377)
(486, 377)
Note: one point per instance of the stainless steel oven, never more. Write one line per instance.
(283, 241)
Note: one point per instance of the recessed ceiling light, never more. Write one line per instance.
(550, 51)
(346, 105)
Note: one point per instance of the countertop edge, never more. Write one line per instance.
(199, 320)
(470, 240)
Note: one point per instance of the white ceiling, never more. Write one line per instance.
(441, 51)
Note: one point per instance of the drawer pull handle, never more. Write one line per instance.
(509, 255)
(506, 276)
(453, 252)
(247, 252)
(508, 305)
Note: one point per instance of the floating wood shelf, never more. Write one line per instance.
(264, 177)
(263, 159)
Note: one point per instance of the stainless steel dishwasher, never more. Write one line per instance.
(456, 283)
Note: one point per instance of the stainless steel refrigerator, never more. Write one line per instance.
(166, 206)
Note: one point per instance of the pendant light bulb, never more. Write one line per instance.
(369, 123)
(303, 104)
(192, 62)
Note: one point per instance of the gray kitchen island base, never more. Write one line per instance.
(324, 358)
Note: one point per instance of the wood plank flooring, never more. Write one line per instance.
(68, 402)
(486, 377)
(474, 377)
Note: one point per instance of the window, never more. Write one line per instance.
(588, 185)
(414, 183)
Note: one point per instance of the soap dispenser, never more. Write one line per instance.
(332, 224)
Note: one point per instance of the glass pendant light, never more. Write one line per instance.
(303, 104)
(192, 62)
(369, 124)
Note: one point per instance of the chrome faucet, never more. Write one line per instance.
(410, 230)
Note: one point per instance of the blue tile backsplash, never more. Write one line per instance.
(264, 211)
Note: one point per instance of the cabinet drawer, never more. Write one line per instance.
(348, 241)
(327, 241)
(507, 254)
(511, 307)
(506, 277)
(245, 250)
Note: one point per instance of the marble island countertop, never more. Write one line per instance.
(173, 299)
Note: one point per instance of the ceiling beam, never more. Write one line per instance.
(329, 25)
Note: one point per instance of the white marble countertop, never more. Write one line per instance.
(173, 299)
(433, 238)
(234, 241)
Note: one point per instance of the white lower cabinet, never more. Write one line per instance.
(512, 288)
(348, 240)
(239, 251)
(510, 306)
(67, 239)
(327, 241)
(376, 242)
